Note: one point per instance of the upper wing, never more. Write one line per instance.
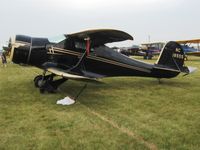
(189, 41)
(102, 36)
(63, 73)
(197, 53)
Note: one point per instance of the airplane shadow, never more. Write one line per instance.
(121, 83)
(107, 89)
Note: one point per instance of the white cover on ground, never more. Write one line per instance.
(192, 69)
(66, 101)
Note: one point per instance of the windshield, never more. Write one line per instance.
(57, 39)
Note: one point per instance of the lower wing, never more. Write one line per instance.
(64, 74)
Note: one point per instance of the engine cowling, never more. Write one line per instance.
(29, 50)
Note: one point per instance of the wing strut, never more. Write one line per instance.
(80, 92)
(79, 63)
(87, 46)
(82, 58)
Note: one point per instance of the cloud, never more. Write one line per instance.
(100, 5)
(162, 19)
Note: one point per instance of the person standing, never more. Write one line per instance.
(3, 58)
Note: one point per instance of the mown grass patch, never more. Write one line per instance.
(121, 113)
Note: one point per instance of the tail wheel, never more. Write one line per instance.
(38, 81)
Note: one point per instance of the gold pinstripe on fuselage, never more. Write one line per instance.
(71, 52)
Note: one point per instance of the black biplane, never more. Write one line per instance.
(84, 56)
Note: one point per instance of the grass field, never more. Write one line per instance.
(122, 113)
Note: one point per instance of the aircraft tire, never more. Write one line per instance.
(38, 81)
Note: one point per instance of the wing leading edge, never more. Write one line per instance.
(102, 36)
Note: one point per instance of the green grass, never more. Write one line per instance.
(122, 113)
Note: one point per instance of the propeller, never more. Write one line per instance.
(7, 47)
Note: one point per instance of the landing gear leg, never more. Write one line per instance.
(46, 83)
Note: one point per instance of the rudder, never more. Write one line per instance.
(172, 56)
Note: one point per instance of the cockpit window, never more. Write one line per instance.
(80, 45)
(57, 39)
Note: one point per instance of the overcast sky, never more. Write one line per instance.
(161, 20)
